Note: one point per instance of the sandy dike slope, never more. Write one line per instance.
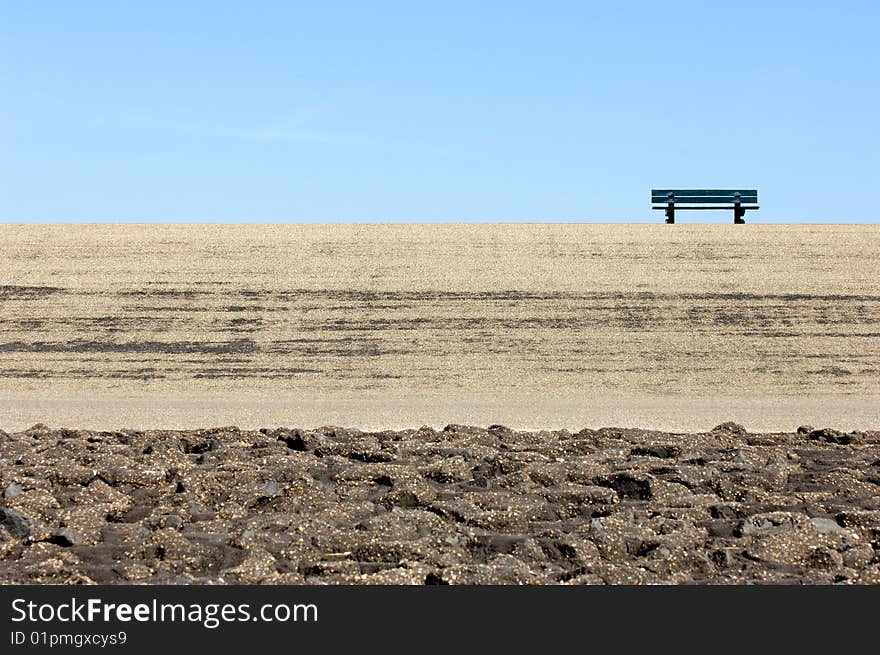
(393, 326)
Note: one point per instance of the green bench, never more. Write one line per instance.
(739, 200)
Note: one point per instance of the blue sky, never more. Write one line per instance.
(441, 111)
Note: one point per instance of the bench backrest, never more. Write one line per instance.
(704, 196)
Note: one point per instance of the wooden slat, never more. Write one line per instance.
(704, 199)
(705, 195)
(704, 192)
(727, 207)
(718, 198)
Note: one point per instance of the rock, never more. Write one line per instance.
(65, 537)
(435, 578)
(827, 526)
(858, 557)
(199, 512)
(653, 451)
(16, 523)
(730, 427)
(467, 506)
(723, 558)
(825, 558)
(769, 523)
(403, 499)
(597, 530)
(629, 486)
(722, 512)
(723, 528)
(805, 429)
(462, 429)
(12, 490)
(852, 519)
(294, 441)
(171, 521)
(832, 436)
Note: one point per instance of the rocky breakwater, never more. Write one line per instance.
(464, 505)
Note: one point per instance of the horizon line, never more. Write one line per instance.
(419, 222)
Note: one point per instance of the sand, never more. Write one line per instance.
(392, 326)
(379, 411)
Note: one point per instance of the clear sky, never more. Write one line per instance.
(435, 111)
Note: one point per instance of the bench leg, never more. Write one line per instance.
(670, 214)
(738, 216)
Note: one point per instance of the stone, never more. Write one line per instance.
(65, 537)
(597, 530)
(722, 512)
(769, 523)
(12, 490)
(653, 451)
(825, 558)
(730, 428)
(404, 499)
(827, 526)
(723, 558)
(294, 441)
(858, 557)
(723, 528)
(829, 435)
(17, 524)
(465, 506)
(629, 486)
(171, 521)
